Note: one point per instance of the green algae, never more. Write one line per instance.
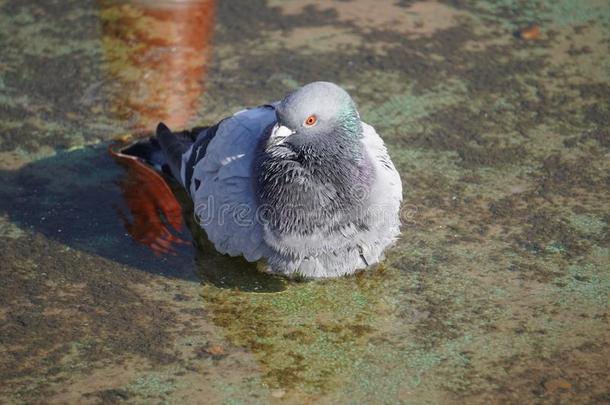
(403, 113)
(499, 283)
(152, 386)
(294, 332)
(588, 224)
(573, 13)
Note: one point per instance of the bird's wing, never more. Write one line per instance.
(388, 180)
(222, 184)
(382, 218)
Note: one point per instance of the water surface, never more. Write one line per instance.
(498, 290)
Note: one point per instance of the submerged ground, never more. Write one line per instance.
(498, 291)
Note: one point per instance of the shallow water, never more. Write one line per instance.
(498, 290)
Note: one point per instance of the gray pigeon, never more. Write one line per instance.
(301, 184)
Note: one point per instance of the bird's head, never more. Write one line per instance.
(319, 114)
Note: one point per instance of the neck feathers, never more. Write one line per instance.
(306, 191)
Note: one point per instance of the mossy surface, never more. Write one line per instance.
(498, 290)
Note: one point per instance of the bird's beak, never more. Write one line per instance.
(280, 132)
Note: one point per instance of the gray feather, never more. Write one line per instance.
(317, 200)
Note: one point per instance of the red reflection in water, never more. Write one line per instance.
(156, 53)
(152, 204)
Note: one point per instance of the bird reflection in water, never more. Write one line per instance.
(156, 55)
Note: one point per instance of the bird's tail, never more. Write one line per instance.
(164, 151)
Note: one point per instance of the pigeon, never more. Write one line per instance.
(301, 185)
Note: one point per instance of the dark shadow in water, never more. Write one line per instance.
(156, 55)
(79, 199)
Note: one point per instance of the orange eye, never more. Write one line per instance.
(311, 121)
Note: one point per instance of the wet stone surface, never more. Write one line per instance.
(498, 290)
